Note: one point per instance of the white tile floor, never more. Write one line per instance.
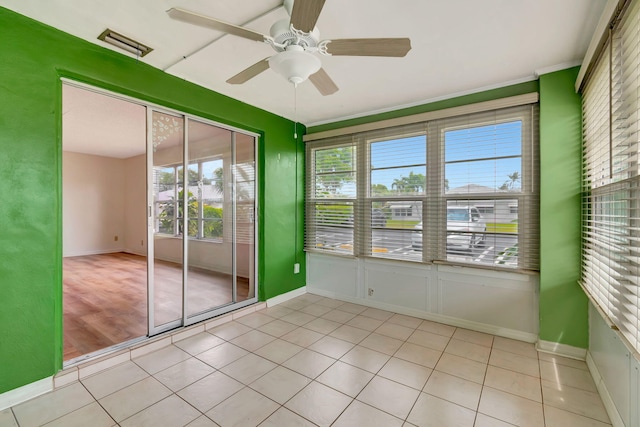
(314, 361)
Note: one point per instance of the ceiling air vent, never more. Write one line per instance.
(123, 42)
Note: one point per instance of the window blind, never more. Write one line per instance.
(611, 184)
(457, 190)
(331, 196)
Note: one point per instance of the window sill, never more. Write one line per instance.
(191, 239)
(446, 264)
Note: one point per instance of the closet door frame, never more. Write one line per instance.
(186, 320)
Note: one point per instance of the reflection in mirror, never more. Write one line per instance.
(203, 220)
(168, 191)
(244, 177)
(210, 248)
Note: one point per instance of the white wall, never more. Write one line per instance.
(93, 201)
(208, 255)
(615, 371)
(105, 197)
(496, 302)
(135, 226)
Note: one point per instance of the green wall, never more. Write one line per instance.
(563, 305)
(33, 57)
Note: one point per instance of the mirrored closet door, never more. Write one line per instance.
(202, 220)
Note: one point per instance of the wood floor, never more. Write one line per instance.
(105, 298)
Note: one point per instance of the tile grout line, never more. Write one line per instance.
(98, 402)
(301, 306)
(332, 364)
(482, 388)
(542, 399)
(357, 344)
(432, 371)
(391, 356)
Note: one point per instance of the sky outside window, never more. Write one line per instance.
(481, 155)
(484, 155)
(393, 160)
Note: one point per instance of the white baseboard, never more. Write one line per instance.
(93, 252)
(286, 296)
(26, 392)
(561, 350)
(135, 252)
(607, 400)
(440, 318)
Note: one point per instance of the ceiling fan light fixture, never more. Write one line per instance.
(295, 64)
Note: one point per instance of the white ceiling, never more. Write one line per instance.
(102, 125)
(458, 46)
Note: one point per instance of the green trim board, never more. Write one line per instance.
(35, 57)
(563, 305)
(489, 95)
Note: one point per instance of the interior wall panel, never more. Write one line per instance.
(135, 205)
(613, 362)
(504, 303)
(482, 301)
(93, 189)
(333, 275)
(393, 283)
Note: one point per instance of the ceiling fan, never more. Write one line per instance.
(296, 40)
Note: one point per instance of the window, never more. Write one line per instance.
(403, 212)
(485, 209)
(611, 183)
(205, 197)
(396, 168)
(331, 201)
(459, 190)
(484, 168)
(168, 189)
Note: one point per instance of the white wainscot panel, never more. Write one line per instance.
(332, 276)
(397, 284)
(634, 393)
(505, 300)
(611, 357)
(496, 302)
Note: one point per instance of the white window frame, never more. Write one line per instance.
(434, 198)
(314, 236)
(176, 201)
(611, 179)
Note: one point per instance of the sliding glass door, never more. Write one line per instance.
(244, 200)
(166, 249)
(202, 224)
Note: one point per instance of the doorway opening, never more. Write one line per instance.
(136, 262)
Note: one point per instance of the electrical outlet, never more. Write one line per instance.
(296, 268)
(370, 292)
(115, 238)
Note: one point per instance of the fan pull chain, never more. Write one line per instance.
(295, 111)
